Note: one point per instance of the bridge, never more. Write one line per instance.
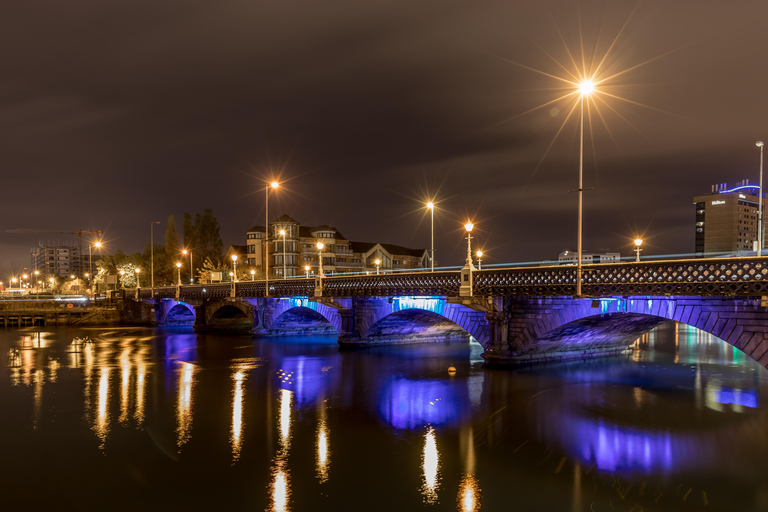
(519, 314)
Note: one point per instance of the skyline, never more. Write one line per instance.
(366, 112)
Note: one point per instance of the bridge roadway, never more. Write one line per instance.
(519, 314)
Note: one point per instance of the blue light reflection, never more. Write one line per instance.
(412, 404)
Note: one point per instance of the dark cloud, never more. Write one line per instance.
(119, 113)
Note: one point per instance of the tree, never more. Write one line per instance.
(172, 248)
(207, 237)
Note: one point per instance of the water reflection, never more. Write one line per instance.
(237, 416)
(280, 490)
(101, 425)
(469, 494)
(323, 459)
(411, 404)
(430, 464)
(184, 406)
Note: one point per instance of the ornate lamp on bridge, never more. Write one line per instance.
(479, 260)
(319, 276)
(586, 87)
(274, 185)
(638, 243)
(138, 271)
(191, 270)
(253, 274)
(122, 283)
(378, 263)
(234, 268)
(178, 271)
(431, 207)
(466, 273)
(306, 269)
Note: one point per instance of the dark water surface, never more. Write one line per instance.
(144, 419)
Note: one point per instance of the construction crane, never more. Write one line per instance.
(79, 233)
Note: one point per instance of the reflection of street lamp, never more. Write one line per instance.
(234, 267)
(377, 262)
(138, 283)
(306, 269)
(178, 271)
(586, 87)
(638, 243)
(479, 260)
(274, 185)
(191, 270)
(282, 232)
(431, 207)
(320, 246)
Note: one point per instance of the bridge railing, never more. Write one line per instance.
(716, 276)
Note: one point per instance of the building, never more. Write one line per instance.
(588, 258)
(293, 251)
(726, 219)
(60, 259)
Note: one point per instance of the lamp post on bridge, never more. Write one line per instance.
(479, 260)
(138, 284)
(306, 269)
(253, 275)
(760, 233)
(638, 243)
(586, 87)
(234, 268)
(191, 270)
(178, 271)
(431, 207)
(274, 185)
(320, 246)
(466, 273)
(378, 263)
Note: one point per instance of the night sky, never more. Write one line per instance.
(114, 114)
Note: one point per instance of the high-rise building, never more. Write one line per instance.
(726, 219)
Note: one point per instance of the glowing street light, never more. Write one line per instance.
(320, 246)
(760, 233)
(253, 274)
(306, 269)
(234, 267)
(122, 275)
(191, 269)
(468, 226)
(431, 207)
(585, 88)
(378, 263)
(178, 271)
(138, 283)
(638, 243)
(282, 232)
(273, 185)
(479, 260)
(13, 280)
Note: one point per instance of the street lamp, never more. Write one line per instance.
(253, 274)
(234, 267)
(138, 283)
(760, 233)
(585, 88)
(638, 243)
(13, 280)
(274, 185)
(479, 260)
(191, 269)
(122, 275)
(377, 262)
(178, 271)
(152, 253)
(37, 285)
(306, 269)
(320, 246)
(468, 226)
(282, 232)
(90, 261)
(431, 207)
(51, 280)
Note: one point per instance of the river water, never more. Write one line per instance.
(159, 419)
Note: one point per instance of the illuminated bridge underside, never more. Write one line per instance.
(556, 328)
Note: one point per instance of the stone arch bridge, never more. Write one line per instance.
(519, 315)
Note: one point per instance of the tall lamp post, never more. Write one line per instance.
(378, 263)
(234, 268)
(638, 243)
(760, 233)
(586, 87)
(306, 269)
(178, 271)
(274, 185)
(122, 275)
(320, 246)
(465, 290)
(90, 261)
(138, 283)
(253, 274)
(282, 232)
(191, 270)
(479, 260)
(152, 253)
(431, 207)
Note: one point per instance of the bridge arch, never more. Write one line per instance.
(226, 315)
(172, 312)
(539, 327)
(299, 315)
(417, 319)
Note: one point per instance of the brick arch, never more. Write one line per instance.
(167, 305)
(296, 303)
(225, 315)
(471, 321)
(535, 324)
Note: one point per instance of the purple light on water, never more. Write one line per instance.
(412, 404)
(737, 397)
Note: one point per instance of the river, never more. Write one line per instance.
(166, 419)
